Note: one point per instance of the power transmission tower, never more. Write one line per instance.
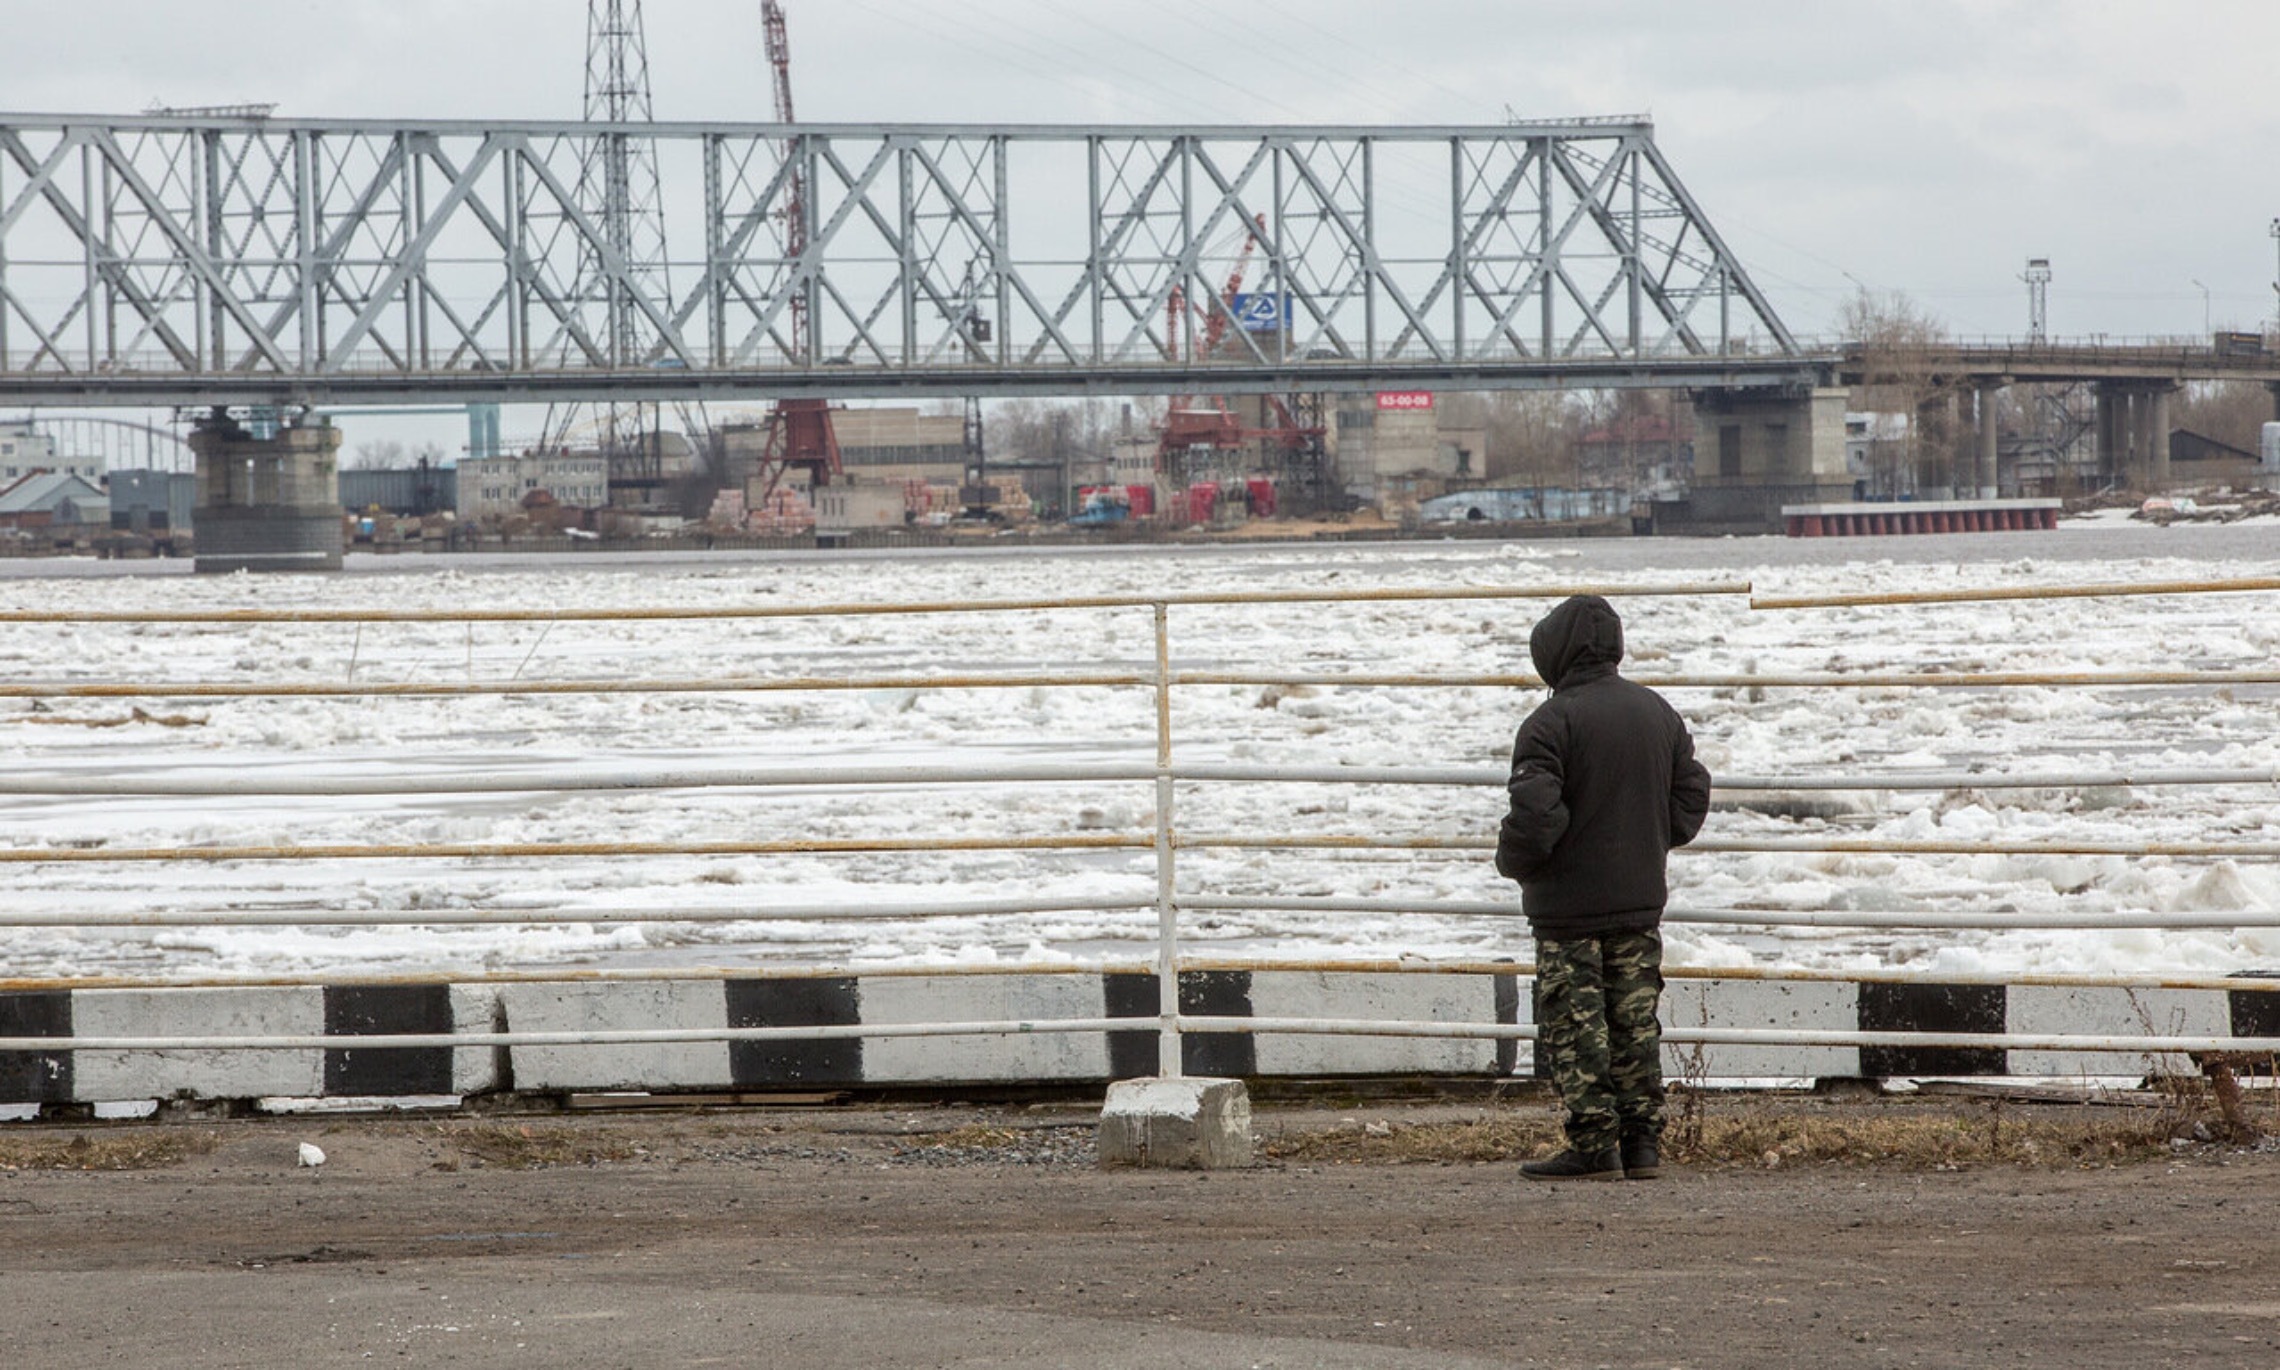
(617, 186)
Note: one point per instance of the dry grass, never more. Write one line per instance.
(135, 1149)
(973, 1136)
(519, 1147)
(1768, 1134)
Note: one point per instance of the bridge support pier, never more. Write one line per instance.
(2157, 436)
(1989, 394)
(1757, 450)
(2133, 433)
(2106, 429)
(266, 503)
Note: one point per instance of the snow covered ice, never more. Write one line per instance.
(1849, 732)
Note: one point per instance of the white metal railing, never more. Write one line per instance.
(1164, 839)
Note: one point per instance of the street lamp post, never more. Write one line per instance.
(2276, 278)
(2204, 311)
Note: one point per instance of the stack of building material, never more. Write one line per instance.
(727, 510)
(785, 511)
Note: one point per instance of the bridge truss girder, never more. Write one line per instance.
(288, 260)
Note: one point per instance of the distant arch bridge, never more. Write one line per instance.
(181, 260)
(120, 444)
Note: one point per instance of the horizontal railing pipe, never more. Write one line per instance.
(81, 783)
(1513, 968)
(480, 851)
(1734, 680)
(381, 1041)
(1883, 918)
(821, 846)
(1341, 1027)
(77, 783)
(451, 917)
(1701, 845)
(1710, 1036)
(863, 608)
(1988, 593)
(452, 689)
(449, 689)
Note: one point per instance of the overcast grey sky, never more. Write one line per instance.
(1922, 146)
(1925, 146)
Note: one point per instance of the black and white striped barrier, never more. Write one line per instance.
(100, 1075)
(775, 1054)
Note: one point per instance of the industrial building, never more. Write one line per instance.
(496, 487)
(54, 499)
(1392, 445)
(24, 450)
(152, 503)
(890, 445)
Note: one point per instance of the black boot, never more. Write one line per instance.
(1577, 1165)
(1642, 1158)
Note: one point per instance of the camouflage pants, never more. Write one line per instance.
(1596, 999)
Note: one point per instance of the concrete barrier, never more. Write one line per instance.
(106, 1075)
(846, 1057)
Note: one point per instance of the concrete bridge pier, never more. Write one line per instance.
(1757, 450)
(2156, 443)
(2133, 433)
(266, 503)
(1988, 394)
(2103, 433)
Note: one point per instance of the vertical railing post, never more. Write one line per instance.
(1167, 909)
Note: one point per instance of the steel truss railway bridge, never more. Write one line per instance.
(214, 260)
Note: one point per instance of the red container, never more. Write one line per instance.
(1141, 499)
(1261, 492)
(1202, 500)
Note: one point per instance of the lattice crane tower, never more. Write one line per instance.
(617, 185)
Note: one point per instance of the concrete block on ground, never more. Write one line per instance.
(2103, 1011)
(982, 999)
(1188, 1123)
(1789, 1005)
(620, 1007)
(114, 1076)
(1379, 998)
(477, 1070)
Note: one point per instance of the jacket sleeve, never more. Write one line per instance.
(1538, 813)
(1689, 790)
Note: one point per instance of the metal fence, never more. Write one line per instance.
(1164, 838)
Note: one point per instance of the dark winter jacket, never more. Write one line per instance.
(1604, 783)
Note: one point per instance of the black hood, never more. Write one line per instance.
(1581, 633)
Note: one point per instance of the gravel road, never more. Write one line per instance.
(980, 1237)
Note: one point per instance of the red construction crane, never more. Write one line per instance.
(799, 431)
(1214, 320)
(1190, 426)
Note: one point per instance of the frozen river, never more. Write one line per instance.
(1818, 732)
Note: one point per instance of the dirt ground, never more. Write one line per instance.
(889, 1236)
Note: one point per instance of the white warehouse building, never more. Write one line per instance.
(498, 485)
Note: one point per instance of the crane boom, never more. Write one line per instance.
(795, 203)
(799, 432)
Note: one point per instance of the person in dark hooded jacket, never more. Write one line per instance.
(1604, 783)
